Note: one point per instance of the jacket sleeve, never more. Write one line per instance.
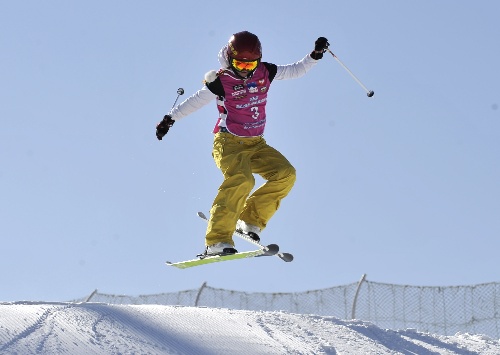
(192, 104)
(295, 70)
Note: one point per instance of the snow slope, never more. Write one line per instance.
(94, 328)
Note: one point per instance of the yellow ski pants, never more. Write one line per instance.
(239, 158)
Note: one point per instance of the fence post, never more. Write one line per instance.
(199, 294)
(90, 296)
(353, 314)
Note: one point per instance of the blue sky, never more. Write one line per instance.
(402, 186)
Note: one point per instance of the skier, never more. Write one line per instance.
(240, 89)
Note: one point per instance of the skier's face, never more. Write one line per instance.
(243, 73)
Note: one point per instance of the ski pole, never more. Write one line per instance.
(369, 93)
(167, 121)
(180, 91)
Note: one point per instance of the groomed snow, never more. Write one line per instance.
(94, 328)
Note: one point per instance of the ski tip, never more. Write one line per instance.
(272, 249)
(286, 257)
(202, 215)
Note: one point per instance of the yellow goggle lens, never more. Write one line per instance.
(242, 65)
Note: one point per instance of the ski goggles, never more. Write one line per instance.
(241, 65)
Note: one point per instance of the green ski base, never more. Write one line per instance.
(269, 250)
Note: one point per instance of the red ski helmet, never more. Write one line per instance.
(244, 46)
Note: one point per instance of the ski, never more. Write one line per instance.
(268, 250)
(287, 257)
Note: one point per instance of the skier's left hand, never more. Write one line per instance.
(163, 127)
(320, 47)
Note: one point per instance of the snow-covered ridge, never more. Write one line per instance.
(96, 328)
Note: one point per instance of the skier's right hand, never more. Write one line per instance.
(163, 127)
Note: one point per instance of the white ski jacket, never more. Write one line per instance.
(204, 96)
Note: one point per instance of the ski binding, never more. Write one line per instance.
(287, 257)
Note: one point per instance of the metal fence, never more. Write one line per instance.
(438, 310)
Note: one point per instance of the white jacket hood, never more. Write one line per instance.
(224, 63)
(223, 60)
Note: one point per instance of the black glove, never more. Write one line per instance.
(163, 127)
(320, 47)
